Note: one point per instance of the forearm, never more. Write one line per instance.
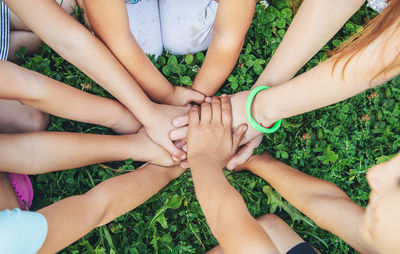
(227, 215)
(323, 202)
(324, 85)
(217, 65)
(230, 27)
(314, 25)
(48, 151)
(50, 96)
(77, 45)
(125, 47)
(298, 188)
(156, 86)
(105, 202)
(216, 197)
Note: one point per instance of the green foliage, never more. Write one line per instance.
(337, 143)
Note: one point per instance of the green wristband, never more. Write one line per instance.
(251, 120)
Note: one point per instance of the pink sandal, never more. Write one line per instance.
(23, 189)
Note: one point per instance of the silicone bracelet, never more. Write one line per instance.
(253, 123)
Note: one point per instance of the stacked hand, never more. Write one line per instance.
(159, 125)
(183, 96)
(251, 140)
(210, 139)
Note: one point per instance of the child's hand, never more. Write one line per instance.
(126, 123)
(251, 140)
(159, 125)
(210, 139)
(149, 151)
(183, 96)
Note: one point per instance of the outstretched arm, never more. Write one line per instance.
(77, 45)
(315, 23)
(220, 202)
(230, 27)
(322, 201)
(124, 46)
(49, 151)
(78, 215)
(51, 96)
(323, 85)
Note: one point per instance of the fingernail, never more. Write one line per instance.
(207, 99)
(244, 128)
(184, 148)
(183, 157)
(174, 158)
(231, 166)
(223, 95)
(176, 122)
(173, 136)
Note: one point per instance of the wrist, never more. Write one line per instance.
(258, 163)
(169, 96)
(146, 116)
(119, 112)
(255, 109)
(205, 164)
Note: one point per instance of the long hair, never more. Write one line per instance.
(387, 19)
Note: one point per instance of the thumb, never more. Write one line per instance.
(177, 154)
(180, 121)
(244, 153)
(196, 97)
(238, 135)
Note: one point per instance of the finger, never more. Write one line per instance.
(238, 135)
(244, 153)
(184, 148)
(180, 121)
(175, 152)
(194, 117)
(216, 109)
(197, 97)
(226, 111)
(206, 113)
(178, 134)
(184, 164)
(179, 144)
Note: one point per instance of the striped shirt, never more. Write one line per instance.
(4, 30)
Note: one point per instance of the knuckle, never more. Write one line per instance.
(226, 111)
(205, 105)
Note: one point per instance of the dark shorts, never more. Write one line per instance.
(302, 248)
(4, 30)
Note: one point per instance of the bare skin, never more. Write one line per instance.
(220, 202)
(77, 45)
(231, 24)
(105, 202)
(15, 117)
(42, 150)
(22, 36)
(371, 230)
(128, 52)
(47, 95)
(298, 95)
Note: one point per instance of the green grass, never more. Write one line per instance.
(337, 143)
